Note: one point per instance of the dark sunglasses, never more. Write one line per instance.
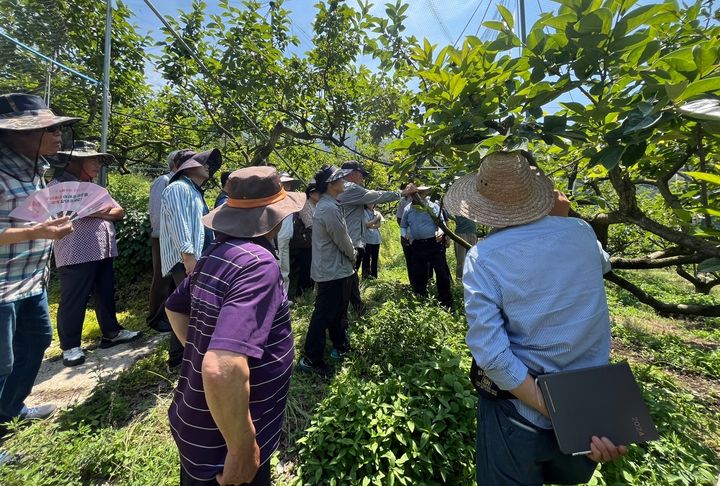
(54, 129)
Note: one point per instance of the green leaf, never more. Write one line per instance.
(560, 22)
(704, 176)
(494, 25)
(705, 58)
(609, 157)
(457, 85)
(633, 153)
(703, 86)
(637, 121)
(680, 60)
(674, 91)
(704, 109)
(597, 21)
(578, 108)
(647, 14)
(709, 266)
(553, 123)
(507, 16)
(628, 41)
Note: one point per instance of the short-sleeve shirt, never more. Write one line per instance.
(235, 304)
(24, 265)
(93, 239)
(372, 235)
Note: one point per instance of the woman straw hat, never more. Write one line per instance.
(505, 191)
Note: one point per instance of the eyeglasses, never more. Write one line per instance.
(54, 129)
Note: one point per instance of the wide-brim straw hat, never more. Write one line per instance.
(505, 191)
(21, 112)
(85, 150)
(418, 189)
(257, 203)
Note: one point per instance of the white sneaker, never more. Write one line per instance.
(6, 458)
(73, 357)
(124, 336)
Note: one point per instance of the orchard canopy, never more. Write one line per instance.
(634, 143)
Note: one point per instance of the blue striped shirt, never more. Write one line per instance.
(535, 299)
(181, 228)
(24, 265)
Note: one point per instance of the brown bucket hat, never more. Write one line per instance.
(505, 191)
(257, 202)
(20, 112)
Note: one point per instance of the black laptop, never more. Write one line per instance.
(604, 401)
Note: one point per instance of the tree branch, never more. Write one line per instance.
(663, 307)
(648, 262)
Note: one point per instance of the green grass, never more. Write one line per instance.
(120, 436)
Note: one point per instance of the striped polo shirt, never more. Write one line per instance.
(236, 303)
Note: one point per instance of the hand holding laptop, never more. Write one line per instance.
(603, 450)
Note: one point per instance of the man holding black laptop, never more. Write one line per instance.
(535, 303)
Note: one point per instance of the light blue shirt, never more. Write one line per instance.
(535, 299)
(155, 205)
(417, 224)
(372, 235)
(181, 228)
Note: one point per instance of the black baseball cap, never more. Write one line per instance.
(355, 165)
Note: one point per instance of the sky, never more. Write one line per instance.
(440, 21)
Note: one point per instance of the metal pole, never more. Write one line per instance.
(48, 82)
(106, 90)
(34, 52)
(523, 28)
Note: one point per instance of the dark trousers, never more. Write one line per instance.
(355, 298)
(25, 334)
(370, 261)
(300, 263)
(513, 451)
(262, 478)
(406, 253)
(430, 252)
(331, 303)
(160, 288)
(175, 353)
(77, 282)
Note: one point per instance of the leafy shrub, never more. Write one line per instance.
(680, 457)
(414, 427)
(404, 331)
(132, 192)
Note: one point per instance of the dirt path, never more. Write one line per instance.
(65, 386)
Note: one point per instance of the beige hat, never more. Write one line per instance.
(83, 149)
(505, 191)
(257, 202)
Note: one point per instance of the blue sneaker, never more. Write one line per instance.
(338, 355)
(308, 366)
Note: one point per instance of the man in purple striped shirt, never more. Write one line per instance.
(232, 315)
